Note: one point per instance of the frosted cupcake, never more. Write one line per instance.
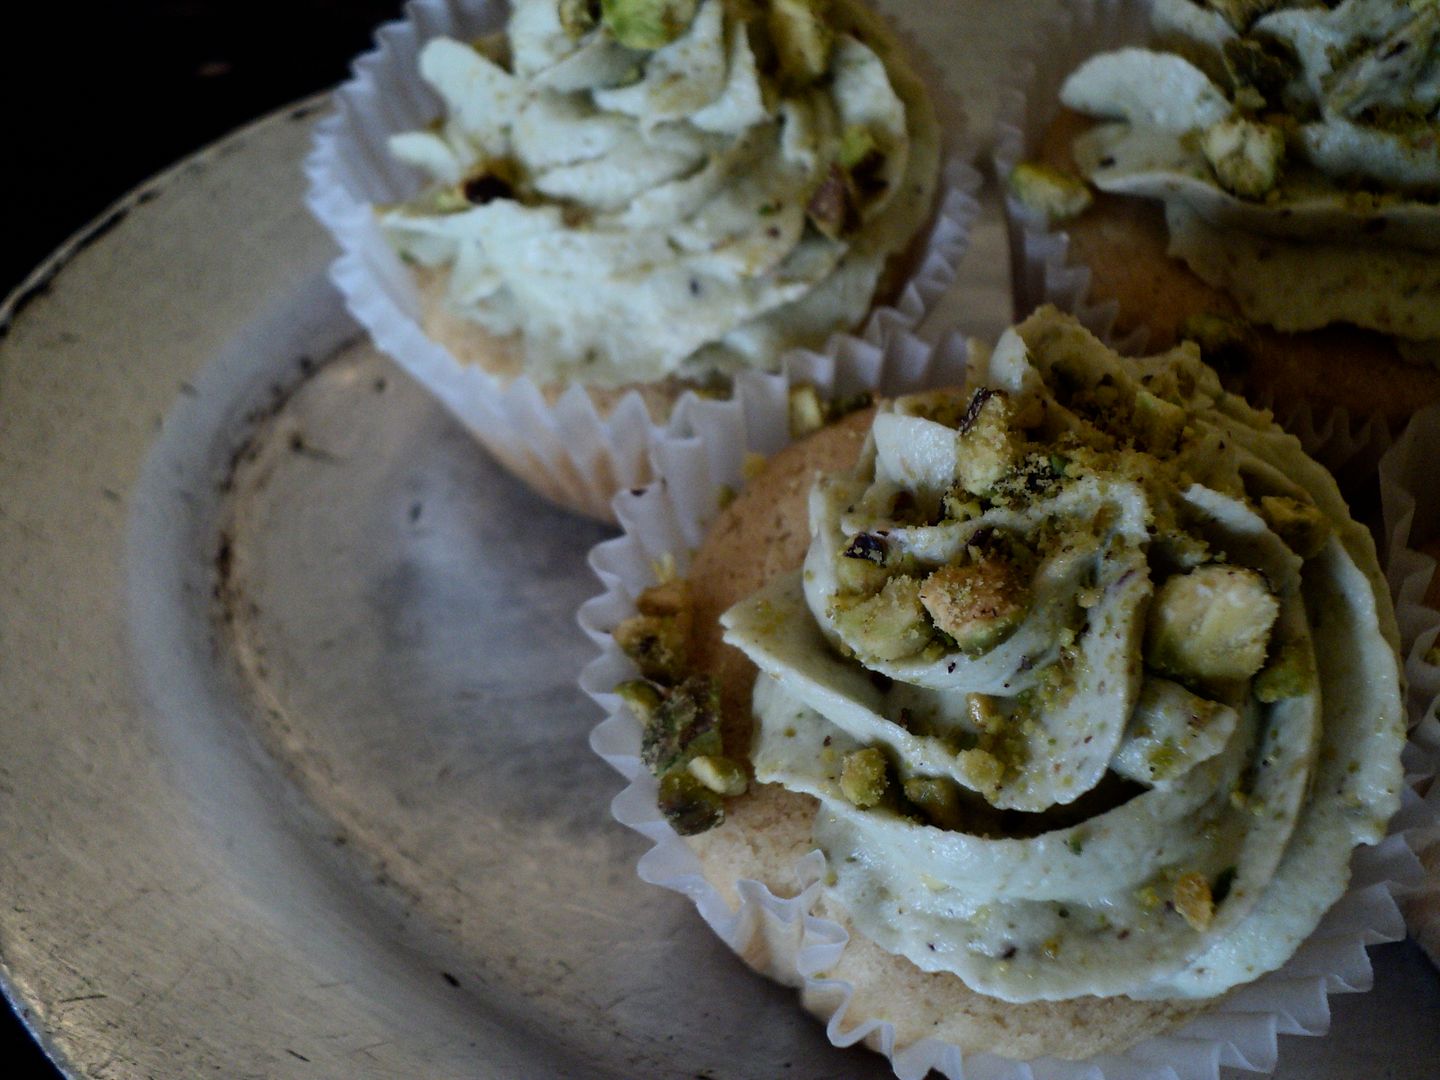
(649, 195)
(1263, 179)
(1081, 681)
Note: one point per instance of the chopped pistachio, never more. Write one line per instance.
(961, 505)
(1193, 900)
(987, 449)
(984, 768)
(1259, 69)
(983, 713)
(803, 38)
(1245, 155)
(807, 413)
(861, 566)
(647, 24)
(979, 604)
(937, 798)
(643, 697)
(578, 17)
(658, 644)
(685, 726)
(1211, 623)
(864, 777)
(720, 774)
(1289, 673)
(889, 625)
(669, 598)
(1300, 525)
(688, 805)
(1058, 196)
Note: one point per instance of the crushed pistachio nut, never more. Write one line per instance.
(1300, 525)
(578, 17)
(684, 726)
(688, 805)
(937, 798)
(1193, 900)
(987, 447)
(889, 625)
(1056, 195)
(979, 604)
(864, 777)
(1245, 155)
(861, 565)
(1211, 623)
(1289, 673)
(647, 24)
(657, 638)
(719, 774)
(1259, 70)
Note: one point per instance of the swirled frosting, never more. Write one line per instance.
(697, 205)
(1091, 674)
(1296, 148)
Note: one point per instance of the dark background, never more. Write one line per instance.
(99, 96)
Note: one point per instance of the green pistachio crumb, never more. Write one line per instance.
(1055, 195)
(864, 777)
(688, 805)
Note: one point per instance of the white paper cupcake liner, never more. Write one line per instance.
(1410, 497)
(1041, 270)
(668, 520)
(568, 450)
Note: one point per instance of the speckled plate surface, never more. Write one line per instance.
(294, 779)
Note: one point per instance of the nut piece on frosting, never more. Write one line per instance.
(646, 24)
(1212, 623)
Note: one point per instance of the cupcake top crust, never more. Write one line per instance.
(1091, 674)
(1296, 148)
(638, 189)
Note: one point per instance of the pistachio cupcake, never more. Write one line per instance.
(1034, 719)
(1260, 177)
(629, 199)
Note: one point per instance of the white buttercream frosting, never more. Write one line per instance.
(1127, 661)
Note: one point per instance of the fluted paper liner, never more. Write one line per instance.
(1041, 270)
(668, 520)
(1410, 497)
(570, 451)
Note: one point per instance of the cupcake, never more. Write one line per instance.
(1032, 719)
(611, 203)
(1259, 177)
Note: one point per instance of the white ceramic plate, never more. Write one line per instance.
(294, 779)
